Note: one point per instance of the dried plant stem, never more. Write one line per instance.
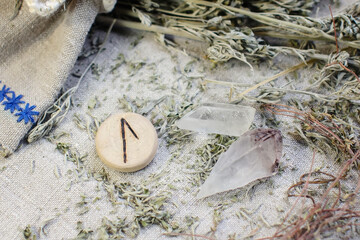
(314, 33)
(318, 96)
(272, 78)
(18, 7)
(297, 199)
(315, 124)
(188, 235)
(303, 190)
(268, 31)
(334, 26)
(350, 71)
(337, 51)
(191, 35)
(283, 35)
(320, 216)
(152, 28)
(340, 175)
(334, 213)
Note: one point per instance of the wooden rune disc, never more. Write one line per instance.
(126, 142)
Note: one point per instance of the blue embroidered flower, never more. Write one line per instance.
(4, 93)
(27, 114)
(13, 103)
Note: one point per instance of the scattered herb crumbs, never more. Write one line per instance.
(149, 208)
(29, 234)
(93, 103)
(83, 202)
(129, 87)
(134, 67)
(57, 172)
(96, 199)
(208, 156)
(165, 125)
(112, 229)
(84, 233)
(137, 40)
(90, 126)
(189, 66)
(119, 61)
(84, 210)
(96, 70)
(172, 187)
(217, 218)
(79, 122)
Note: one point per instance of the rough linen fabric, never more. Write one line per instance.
(36, 55)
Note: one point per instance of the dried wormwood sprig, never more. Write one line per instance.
(227, 28)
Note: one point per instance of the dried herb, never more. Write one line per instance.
(18, 7)
(149, 208)
(165, 122)
(56, 113)
(134, 67)
(90, 125)
(321, 130)
(4, 152)
(29, 234)
(332, 210)
(119, 61)
(208, 156)
(229, 27)
(84, 233)
(112, 229)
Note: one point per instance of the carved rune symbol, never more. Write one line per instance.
(123, 122)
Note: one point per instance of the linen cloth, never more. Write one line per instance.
(36, 56)
(38, 183)
(39, 187)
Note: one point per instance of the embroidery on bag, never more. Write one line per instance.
(13, 104)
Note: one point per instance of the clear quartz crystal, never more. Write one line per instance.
(253, 156)
(220, 118)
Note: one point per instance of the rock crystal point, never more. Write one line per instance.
(253, 156)
(220, 118)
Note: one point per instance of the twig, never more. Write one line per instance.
(18, 7)
(301, 194)
(347, 164)
(337, 51)
(140, 26)
(333, 20)
(350, 71)
(272, 78)
(188, 235)
(245, 85)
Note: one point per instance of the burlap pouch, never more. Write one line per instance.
(36, 56)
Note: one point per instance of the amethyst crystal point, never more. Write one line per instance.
(253, 156)
(220, 118)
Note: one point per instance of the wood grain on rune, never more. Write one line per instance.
(126, 142)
